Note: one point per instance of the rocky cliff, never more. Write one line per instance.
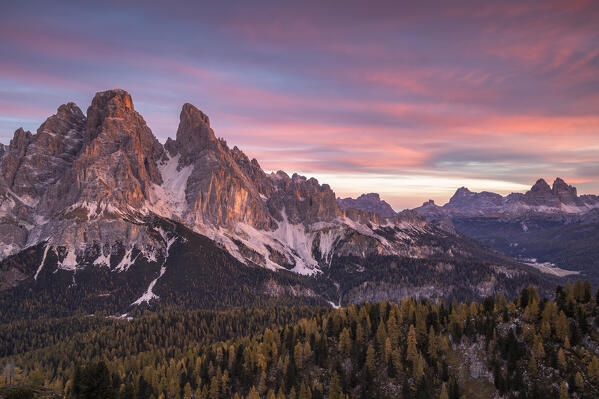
(87, 190)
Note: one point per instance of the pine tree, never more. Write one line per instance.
(396, 360)
(563, 391)
(561, 359)
(381, 337)
(418, 368)
(262, 384)
(307, 356)
(393, 329)
(537, 348)
(579, 382)
(444, 394)
(253, 394)
(298, 355)
(370, 358)
(593, 369)
(432, 343)
(387, 352)
(545, 330)
(187, 394)
(412, 351)
(214, 388)
(561, 327)
(304, 392)
(335, 391)
(224, 383)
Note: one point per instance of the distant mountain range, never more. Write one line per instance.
(94, 210)
(547, 226)
(561, 198)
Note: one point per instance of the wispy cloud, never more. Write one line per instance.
(490, 95)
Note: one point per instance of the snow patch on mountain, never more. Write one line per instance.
(295, 242)
(126, 262)
(149, 294)
(69, 262)
(550, 268)
(296, 237)
(102, 260)
(327, 242)
(39, 269)
(168, 199)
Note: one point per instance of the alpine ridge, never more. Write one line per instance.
(560, 198)
(98, 191)
(549, 227)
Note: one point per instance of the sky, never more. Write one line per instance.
(408, 99)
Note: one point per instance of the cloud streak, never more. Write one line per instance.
(493, 95)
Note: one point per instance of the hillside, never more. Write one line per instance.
(530, 347)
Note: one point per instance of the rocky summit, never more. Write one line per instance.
(98, 192)
(368, 202)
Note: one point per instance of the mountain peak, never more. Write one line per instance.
(112, 100)
(190, 111)
(462, 191)
(566, 193)
(461, 194)
(558, 180)
(541, 186)
(194, 132)
(370, 202)
(370, 196)
(114, 103)
(70, 110)
(559, 184)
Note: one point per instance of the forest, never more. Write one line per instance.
(529, 347)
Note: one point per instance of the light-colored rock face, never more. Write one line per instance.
(87, 182)
(118, 163)
(218, 191)
(225, 187)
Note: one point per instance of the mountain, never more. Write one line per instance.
(547, 226)
(559, 199)
(95, 206)
(368, 202)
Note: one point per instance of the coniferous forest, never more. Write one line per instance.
(529, 347)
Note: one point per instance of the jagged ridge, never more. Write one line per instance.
(87, 187)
